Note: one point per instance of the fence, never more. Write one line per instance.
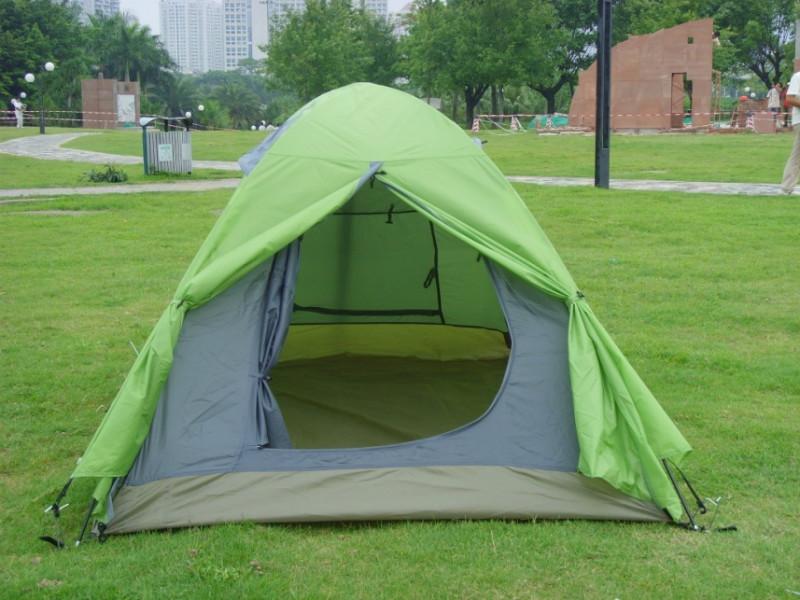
(736, 119)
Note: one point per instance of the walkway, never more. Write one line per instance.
(32, 194)
(48, 147)
(653, 185)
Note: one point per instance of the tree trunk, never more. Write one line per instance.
(760, 71)
(502, 99)
(550, 98)
(469, 111)
(454, 113)
(549, 93)
(776, 60)
(472, 96)
(495, 102)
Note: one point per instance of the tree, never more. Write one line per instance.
(329, 45)
(241, 103)
(754, 35)
(34, 32)
(568, 48)
(377, 35)
(761, 33)
(176, 94)
(126, 50)
(213, 115)
(636, 17)
(468, 45)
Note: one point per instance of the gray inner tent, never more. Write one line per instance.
(294, 369)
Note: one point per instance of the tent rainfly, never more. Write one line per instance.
(377, 328)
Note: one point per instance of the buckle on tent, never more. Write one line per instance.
(578, 297)
(429, 279)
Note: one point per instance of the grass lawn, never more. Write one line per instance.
(741, 158)
(206, 145)
(701, 292)
(10, 133)
(744, 158)
(23, 172)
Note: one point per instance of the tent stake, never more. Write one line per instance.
(92, 504)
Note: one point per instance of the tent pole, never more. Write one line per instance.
(692, 524)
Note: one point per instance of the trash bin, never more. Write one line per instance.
(167, 151)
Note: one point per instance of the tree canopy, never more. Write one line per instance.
(329, 45)
(525, 52)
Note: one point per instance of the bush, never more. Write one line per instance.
(109, 174)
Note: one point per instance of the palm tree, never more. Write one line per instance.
(127, 50)
(177, 93)
(241, 103)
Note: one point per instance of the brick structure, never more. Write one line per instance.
(651, 76)
(108, 103)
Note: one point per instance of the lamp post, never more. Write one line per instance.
(602, 132)
(30, 78)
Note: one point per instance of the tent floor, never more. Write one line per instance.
(360, 401)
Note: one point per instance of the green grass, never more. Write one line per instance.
(701, 292)
(23, 172)
(9, 133)
(744, 158)
(206, 145)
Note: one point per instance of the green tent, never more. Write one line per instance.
(377, 328)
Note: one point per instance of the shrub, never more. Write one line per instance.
(108, 174)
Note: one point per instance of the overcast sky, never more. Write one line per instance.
(147, 10)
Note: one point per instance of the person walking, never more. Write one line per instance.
(784, 120)
(792, 170)
(18, 107)
(774, 101)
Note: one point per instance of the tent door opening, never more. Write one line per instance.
(396, 331)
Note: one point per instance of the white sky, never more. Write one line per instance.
(147, 10)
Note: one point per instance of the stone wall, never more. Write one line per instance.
(647, 80)
(102, 100)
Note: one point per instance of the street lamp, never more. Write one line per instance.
(30, 78)
(200, 109)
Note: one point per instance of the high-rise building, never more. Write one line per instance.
(278, 10)
(104, 8)
(193, 33)
(399, 19)
(245, 30)
(379, 7)
(248, 24)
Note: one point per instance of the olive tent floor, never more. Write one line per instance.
(360, 401)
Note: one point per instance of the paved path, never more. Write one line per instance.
(33, 194)
(48, 147)
(694, 187)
